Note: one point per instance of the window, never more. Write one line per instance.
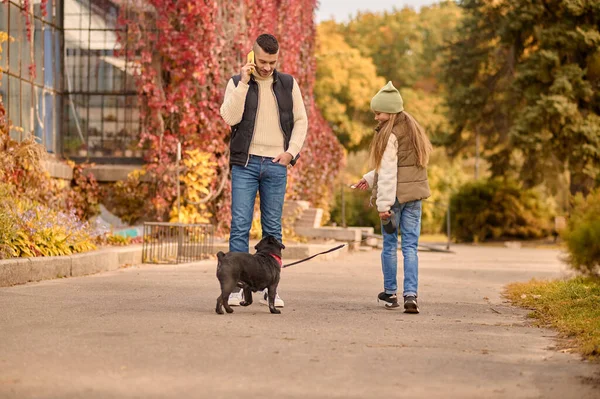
(26, 98)
(101, 119)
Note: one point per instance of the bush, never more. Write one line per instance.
(498, 210)
(358, 211)
(582, 235)
(85, 192)
(32, 229)
(129, 199)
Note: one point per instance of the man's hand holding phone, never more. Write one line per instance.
(248, 68)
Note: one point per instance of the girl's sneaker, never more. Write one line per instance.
(410, 304)
(390, 301)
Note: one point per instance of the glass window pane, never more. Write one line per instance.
(4, 28)
(48, 65)
(49, 11)
(14, 46)
(57, 60)
(26, 103)
(38, 49)
(57, 122)
(37, 8)
(56, 6)
(26, 56)
(14, 106)
(4, 91)
(49, 123)
(38, 113)
(93, 77)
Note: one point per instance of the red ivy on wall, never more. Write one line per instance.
(187, 51)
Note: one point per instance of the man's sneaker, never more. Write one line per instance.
(390, 301)
(265, 300)
(235, 298)
(410, 304)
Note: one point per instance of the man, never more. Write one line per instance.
(268, 122)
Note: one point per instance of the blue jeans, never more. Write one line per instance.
(267, 178)
(408, 219)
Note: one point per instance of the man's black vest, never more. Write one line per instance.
(241, 134)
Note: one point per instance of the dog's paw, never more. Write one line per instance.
(275, 311)
(229, 310)
(219, 311)
(244, 303)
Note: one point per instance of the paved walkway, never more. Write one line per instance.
(151, 331)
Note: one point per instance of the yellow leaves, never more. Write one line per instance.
(198, 175)
(345, 83)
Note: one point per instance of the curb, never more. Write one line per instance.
(25, 270)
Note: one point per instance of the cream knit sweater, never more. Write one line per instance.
(268, 137)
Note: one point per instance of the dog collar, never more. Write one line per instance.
(278, 259)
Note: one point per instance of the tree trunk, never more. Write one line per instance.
(579, 181)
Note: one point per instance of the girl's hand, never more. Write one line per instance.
(385, 215)
(361, 185)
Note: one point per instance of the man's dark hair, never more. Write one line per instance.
(268, 43)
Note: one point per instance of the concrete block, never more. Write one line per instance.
(111, 173)
(58, 169)
(335, 233)
(14, 271)
(94, 262)
(130, 255)
(290, 207)
(49, 267)
(372, 241)
(311, 217)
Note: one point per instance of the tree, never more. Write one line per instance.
(405, 47)
(521, 76)
(345, 83)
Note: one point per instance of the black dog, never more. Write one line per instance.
(250, 272)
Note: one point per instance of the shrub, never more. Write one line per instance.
(129, 199)
(358, 212)
(32, 229)
(84, 196)
(198, 174)
(495, 210)
(582, 235)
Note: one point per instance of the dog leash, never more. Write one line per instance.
(323, 253)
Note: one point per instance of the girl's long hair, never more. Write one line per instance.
(409, 127)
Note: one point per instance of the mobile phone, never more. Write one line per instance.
(250, 58)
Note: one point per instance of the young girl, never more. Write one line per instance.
(399, 152)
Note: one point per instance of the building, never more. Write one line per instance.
(82, 103)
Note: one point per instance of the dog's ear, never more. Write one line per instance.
(276, 242)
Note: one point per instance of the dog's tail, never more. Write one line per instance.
(220, 256)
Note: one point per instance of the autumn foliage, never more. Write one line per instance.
(187, 51)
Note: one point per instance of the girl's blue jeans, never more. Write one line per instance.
(408, 220)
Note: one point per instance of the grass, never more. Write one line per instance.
(570, 306)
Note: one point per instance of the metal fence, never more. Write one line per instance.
(177, 242)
